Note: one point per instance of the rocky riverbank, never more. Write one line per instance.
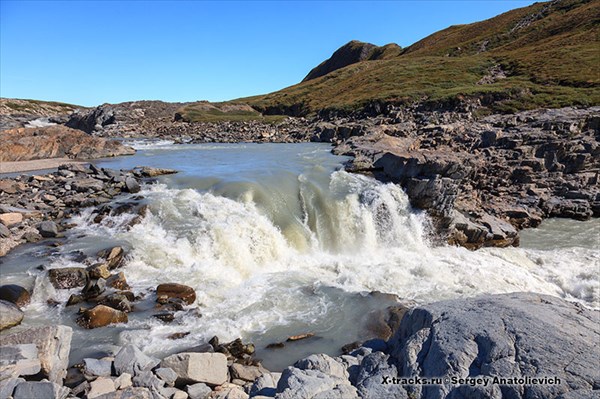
(515, 345)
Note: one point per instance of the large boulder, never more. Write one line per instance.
(209, 368)
(53, 344)
(10, 315)
(506, 336)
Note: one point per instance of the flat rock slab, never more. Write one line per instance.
(209, 368)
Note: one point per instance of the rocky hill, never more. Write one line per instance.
(544, 55)
(19, 112)
(351, 53)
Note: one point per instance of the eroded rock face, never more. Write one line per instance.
(23, 144)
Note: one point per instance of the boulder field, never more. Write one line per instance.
(520, 345)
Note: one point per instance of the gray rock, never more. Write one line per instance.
(53, 344)
(265, 385)
(7, 386)
(324, 363)
(131, 360)
(147, 379)
(132, 185)
(307, 384)
(368, 378)
(129, 393)
(516, 335)
(198, 391)
(42, 389)
(4, 231)
(97, 367)
(246, 373)
(209, 368)
(167, 375)
(48, 229)
(10, 315)
(18, 360)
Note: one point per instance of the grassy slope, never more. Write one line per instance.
(26, 106)
(551, 61)
(217, 112)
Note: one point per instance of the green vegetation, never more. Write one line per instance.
(34, 106)
(218, 112)
(549, 52)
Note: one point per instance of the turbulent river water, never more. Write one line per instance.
(277, 240)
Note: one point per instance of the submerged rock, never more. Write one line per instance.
(16, 294)
(164, 292)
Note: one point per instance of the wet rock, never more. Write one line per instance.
(101, 316)
(113, 256)
(97, 367)
(74, 299)
(100, 386)
(43, 389)
(209, 368)
(147, 171)
(131, 360)
(118, 281)
(300, 336)
(10, 219)
(10, 315)
(48, 229)
(180, 335)
(19, 360)
(16, 294)
(68, 277)
(99, 270)
(198, 391)
(118, 301)
(166, 317)
(53, 344)
(94, 288)
(132, 185)
(164, 292)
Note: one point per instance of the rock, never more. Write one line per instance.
(7, 386)
(132, 185)
(94, 288)
(74, 299)
(11, 219)
(147, 171)
(4, 231)
(113, 256)
(164, 292)
(97, 367)
(10, 315)
(19, 360)
(368, 376)
(295, 383)
(300, 336)
(265, 385)
(100, 386)
(100, 316)
(68, 277)
(130, 393)
(53, 344)
(229, 391)
(167, 375)
(15, 294)
(117, 281)
(148, 379)
(123, 381)
(99, 270)
(246, 373)
(43, 389)
(48, 229)
(118, 301)
(131, 360)
(198, 391)
(324, 363)
(179, 395)
(517, 335)
(87, 185)
(209, 368)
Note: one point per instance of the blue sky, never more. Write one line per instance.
(92, 52)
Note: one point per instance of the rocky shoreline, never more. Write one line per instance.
(518, 345)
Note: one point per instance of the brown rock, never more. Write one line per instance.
(11, 219)
(300, 336)
(15, 294)
(113, 256)
(100, 316)
(117, 281)
(68, 277)
(99, 270)
(172, 290)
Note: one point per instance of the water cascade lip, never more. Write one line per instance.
(287, 248)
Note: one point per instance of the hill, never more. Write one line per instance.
(544, 55)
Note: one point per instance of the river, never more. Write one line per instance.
(278, 240)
